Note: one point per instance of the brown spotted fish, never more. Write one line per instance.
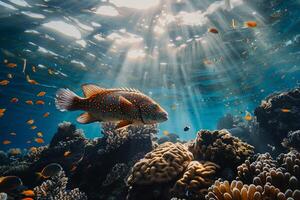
(125, 106)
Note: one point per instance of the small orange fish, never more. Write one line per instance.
(67, 153)
(73, 168)
(40, 102)
(285, 110)
(46, 114)
(33, 127)
(29, 193)
(6, 142)
(30, 121)
(13, 133)
(29, 102)
(33, 69)
(33, 149)
(10, 76)
(213, 30)
(40, 134)
(4, 82)
(166, 133)
(11, 65)
(2, 110)
(41, 94)
(39, 140)
(27, 198)
(250, 24)
(14, 100)
(31, 81)
(248, 116)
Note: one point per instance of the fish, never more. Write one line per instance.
(33, 127)
(41, 94)
(30, 121)
(31, 81)
(50, 71)
(207, 62)
(67, 153)
(4, 82)
(213, 30)
(285, 110)
(251, 24)
(50, 170)
(39, 140)
(233, 23)
(40, 134)
(10, 76)
(15, 151)
(13, 133)
(2, 110)
(28, 142)
(9, 183)
(27, 198)
(40, 102)
(33, 149)
(166, 133)
(125, 106)
(46, 114)
(248, 116)
(33, 69)
(11, 65)
(29, 102)
(5, 142)
(29, 193)
(14, 100)
(187, 128)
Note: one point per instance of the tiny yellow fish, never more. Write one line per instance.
(285, 110)
(4, 82)
(29, 102)
(46, 114)
(40, 102)
(40, 134)
(29, 193)
(50, 71)
(166, 133)
(6, 142)
(41, 94)
(67, 153)
(248, 116)
(33, 127)
(50, 170)
(31, 81)
(39, 140)
(11, 65)
(30, 121)
(33, 69)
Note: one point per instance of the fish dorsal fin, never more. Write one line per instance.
(129, 89)
(90, 89)
(86, 118)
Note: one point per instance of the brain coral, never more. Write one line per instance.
(163, 164)
(195, 180)
(220, 147)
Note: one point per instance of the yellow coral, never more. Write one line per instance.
(162, 164)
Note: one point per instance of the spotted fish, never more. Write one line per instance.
(125, 106)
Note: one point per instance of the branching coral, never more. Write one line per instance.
(55, 189)
(118, 171)
(162, 164)
(220, 147)
(115, 138)
(195, 180)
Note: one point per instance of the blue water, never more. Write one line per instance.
(164, 50)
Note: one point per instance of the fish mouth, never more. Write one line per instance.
(164, 116)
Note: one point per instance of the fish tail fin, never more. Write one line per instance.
(66, 100)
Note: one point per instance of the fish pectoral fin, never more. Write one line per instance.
(90, 89)
(123, 124)
(86, 118)
(126, 105)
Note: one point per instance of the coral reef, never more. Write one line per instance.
(292, 140)
(220, 147)
(195, 180)
(56, 189)
(118, 171)
(162, 164)
(279, 114)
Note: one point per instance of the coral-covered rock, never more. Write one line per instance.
(292, 140)
(279, 114)
(163, 164)
(220, 147)
(197, 178)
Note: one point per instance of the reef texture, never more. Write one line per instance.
(220, 147)
(279, 114)
(195, 181)
(56, 189)
(163, 164)
(292, 140)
